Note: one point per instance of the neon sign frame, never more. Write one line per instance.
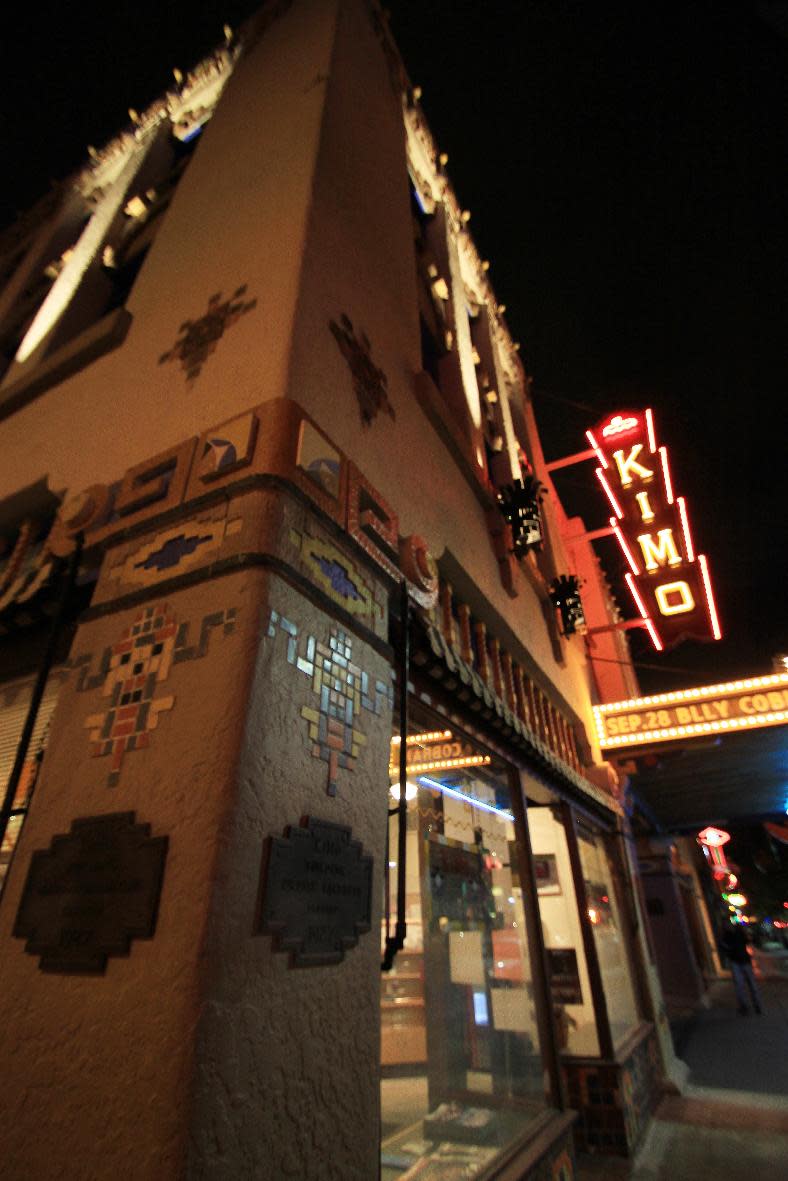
(669, 581)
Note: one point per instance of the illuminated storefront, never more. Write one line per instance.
(517, 986)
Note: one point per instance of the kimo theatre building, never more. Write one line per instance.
(518, 993)
(393, 762)
(295, 563)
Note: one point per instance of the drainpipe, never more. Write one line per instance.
(396, 942)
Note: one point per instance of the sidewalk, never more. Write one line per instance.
(732, 1119)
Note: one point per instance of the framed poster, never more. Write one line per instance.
(546, 874)
(564, 975)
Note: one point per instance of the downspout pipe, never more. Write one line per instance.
(396, 942)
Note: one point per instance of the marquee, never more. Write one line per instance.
(714, 709)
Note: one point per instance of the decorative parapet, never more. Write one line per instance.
(484, 672)
(528, 720)
(187, 108)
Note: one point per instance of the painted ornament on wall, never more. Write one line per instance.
(130, 675)
(342, 690)
(197, 339)
(370, 383)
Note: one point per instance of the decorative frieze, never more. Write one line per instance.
(501, 674)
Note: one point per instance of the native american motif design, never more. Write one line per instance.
(370, 383)
(342, 688)
(130, 673)
(197, 339)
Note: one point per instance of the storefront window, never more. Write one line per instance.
(608, 937)
(570, 988)
(462, 1071)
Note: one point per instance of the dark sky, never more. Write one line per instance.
(625, 166)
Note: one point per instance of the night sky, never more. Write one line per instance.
(625, 167)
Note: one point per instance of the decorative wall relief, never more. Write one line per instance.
(274, 439)
(197, 339)
(227, 447)
(319, 459)
(342, 690)
(370, 383)
(91, 892)
(130, 673)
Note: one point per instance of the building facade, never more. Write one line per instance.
(288, 601)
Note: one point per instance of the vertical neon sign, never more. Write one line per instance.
(670, 584)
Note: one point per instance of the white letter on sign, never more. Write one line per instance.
(630, 464)
(646, 511)
(662, 554)
(684, 603)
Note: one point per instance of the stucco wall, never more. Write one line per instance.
(360, 261)
(238, 217)
(287, 1081)
(97, 1067)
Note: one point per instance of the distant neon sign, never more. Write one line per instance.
(669, 582)
(714, 837)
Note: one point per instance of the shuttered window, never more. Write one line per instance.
(14, 704)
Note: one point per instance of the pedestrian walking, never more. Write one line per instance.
(736, 949)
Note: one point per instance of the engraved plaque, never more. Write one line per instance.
(91, 892)
(316, 892)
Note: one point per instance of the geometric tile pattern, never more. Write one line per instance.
(335, 574)
(342, 690)
(180, 548)
(129, 674)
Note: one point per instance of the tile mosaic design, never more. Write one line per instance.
(370, 383)
(26, 567)
(173, 551)
(130, 673)
(197, 339)
(342, 690)
(335, 574)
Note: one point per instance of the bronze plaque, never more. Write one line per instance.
(91, 892)
(316, 892)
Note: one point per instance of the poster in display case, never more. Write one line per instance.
(546, 873)
(564, 975)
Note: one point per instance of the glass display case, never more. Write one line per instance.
(603, 912)
(462, 1069)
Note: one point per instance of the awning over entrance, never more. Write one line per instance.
(737, 777)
